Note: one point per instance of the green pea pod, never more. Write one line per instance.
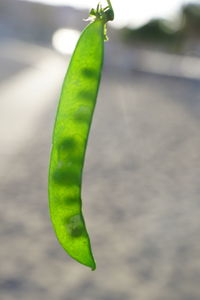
(72, 125)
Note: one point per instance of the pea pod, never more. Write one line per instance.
(70, 136)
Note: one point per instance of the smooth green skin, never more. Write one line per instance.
(73, 120)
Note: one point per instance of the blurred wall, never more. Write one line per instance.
(36, 22)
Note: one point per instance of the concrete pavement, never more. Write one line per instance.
(140, 192)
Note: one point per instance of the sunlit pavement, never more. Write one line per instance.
(25, 92)
(140, 190)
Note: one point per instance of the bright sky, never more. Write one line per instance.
(129, 12)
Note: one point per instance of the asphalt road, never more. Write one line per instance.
(140, 187)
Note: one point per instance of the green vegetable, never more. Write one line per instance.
(72, 125)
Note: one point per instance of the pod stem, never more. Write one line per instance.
(109, 12)
(105, 14)
(110, 7)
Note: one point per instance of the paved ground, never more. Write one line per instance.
(141, 188)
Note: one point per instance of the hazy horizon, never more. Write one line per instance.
(131, 13)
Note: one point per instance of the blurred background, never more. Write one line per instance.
(141, 178)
